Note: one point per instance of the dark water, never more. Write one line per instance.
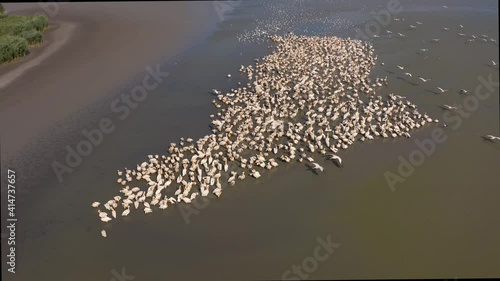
(442, 221)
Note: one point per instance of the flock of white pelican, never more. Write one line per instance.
(311, 97)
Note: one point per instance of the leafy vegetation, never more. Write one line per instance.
(32, 36)
(12, 47)
(17, 33)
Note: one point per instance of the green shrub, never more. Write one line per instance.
(14, 25)
(39, 22)
(32, 36)
(17, 33)
(12, 47)
(2, 9)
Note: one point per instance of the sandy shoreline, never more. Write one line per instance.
(105, 44)
(55, 38)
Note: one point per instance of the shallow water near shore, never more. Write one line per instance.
(441, 222)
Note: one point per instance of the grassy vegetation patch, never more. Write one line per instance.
(12, 47)
(15, 25)
(32, 36)
(39, 22)
(17, 33)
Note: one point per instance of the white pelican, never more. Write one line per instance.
(217, 191)
(126, 212)
(255, 174)
(423, 79)
(336, 159)
(102, 214)
(316, 166)
(103, 233)
(447, 107)
(96, 204)
(106, 219)
(490, 138)
(441, 89)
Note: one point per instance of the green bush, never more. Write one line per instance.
(12, 47)
(32, 36)
(39, 22)
(2, 9)
(17, 33)
(14, 25)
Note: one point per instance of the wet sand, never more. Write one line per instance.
(442, 222)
